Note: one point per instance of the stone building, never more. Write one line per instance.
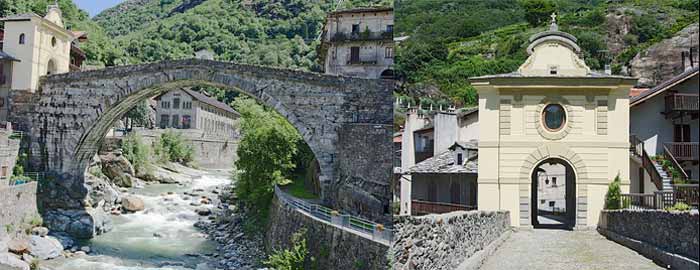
(188, 109)
(358, 43)
(552, 110)
(33, 46)
(439, 161)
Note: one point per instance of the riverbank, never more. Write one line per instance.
(184, 225)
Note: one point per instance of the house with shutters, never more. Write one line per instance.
(189, 109)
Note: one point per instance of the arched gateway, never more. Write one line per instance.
(338, 117)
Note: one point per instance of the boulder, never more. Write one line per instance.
(132, 203)
(9, 261)
(40, 231)
(45, 248)
(18, 245)
(118, 169)
(203, 211)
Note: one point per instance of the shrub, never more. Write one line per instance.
(290, 259)
(173, 147)
(614, 195)
(679, 206)
(537, 12)
(136, 152)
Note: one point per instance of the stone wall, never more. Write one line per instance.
(9, 148)
(673, 232)
(447, 241)
(332, 247)
(17, 206)
(365, 162)
(209, 152)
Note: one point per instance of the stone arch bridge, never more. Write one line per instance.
(345, 121)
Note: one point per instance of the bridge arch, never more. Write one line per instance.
(72, 112)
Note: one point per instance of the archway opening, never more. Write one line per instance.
(387, 74)
(51, 67)
(553, 195)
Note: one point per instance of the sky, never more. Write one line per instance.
(95, 6)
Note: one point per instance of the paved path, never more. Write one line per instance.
(560, 249)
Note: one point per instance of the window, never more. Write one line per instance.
(554, 117)
(187, 105)
(176, 103)
(390, 28)
(553, 70)
(460, 159)
(4, 171)
(164, 120)
(186, 121)
(176, 121)
(356, 28)
(53, 42)
(389, 52)
(22, 39)
(165, 104)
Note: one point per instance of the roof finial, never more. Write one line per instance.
(553, 26)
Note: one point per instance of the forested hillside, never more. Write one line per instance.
(276, 33)
(451, 41)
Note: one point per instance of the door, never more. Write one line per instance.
(354, 54)
(681, 133)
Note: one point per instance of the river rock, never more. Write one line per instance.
(3, 245)
(66, 241)
(18, 245)
(40, 231)
(85, 249)
(9, 261)
(45, 248)
(132, 203)
(203, 211)
(118, 169)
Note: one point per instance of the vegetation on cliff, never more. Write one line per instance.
(451, 41)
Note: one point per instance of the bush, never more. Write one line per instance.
(613, 197)
(173, 147)
(290, 259)
(537, 12)
(136, 152)
(679, 206)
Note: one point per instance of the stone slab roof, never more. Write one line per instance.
(211, 101)
(445, 163)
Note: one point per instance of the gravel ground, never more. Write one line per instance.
(560, 249)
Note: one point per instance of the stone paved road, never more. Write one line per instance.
(566, 250)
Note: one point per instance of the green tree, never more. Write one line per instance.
(293, 258)
(537, 12)
(139, 115)
(613, 198)
(266, 155)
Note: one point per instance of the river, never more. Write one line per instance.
(161, 237)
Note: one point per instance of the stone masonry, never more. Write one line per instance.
(71, 113)
(446, 241)
(17, 207)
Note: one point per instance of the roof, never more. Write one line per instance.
(361, 10)
(19, 17)
(6, 57)
(445, 163)
(662, 87)
(637, 91)
(208, 100)
(467, 111)
(516, 74)
(425, 129)
(398, 138)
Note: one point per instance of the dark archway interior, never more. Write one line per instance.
(553, 195)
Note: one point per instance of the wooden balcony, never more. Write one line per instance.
(684, 151)
(682, 104)
(424, 207)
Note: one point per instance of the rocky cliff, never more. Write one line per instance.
(662, 60)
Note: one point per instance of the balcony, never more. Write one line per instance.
(678, 105)
(362, 36)
(424, 207)
(684, 151)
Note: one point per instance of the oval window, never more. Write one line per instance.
(554, 117)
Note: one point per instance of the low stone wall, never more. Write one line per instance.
(332, 247)
(17, 207)
(209, 152)
(658, 234)
(457, 240)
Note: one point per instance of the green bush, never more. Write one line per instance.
(173, 147)
(613, 199)
(537, 12)
(137, 152)
(293, 258)
(679, 206)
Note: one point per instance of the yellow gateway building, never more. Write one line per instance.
(552, 112)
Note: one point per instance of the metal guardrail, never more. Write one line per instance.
(377, 232)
